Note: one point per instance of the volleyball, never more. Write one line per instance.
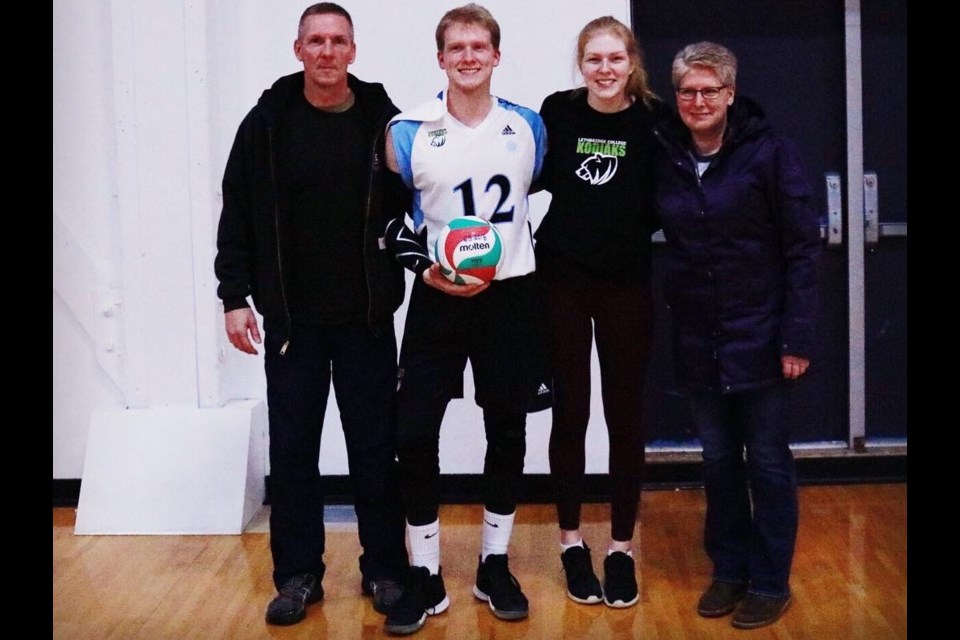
(469, 250)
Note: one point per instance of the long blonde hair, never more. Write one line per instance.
(638, 86)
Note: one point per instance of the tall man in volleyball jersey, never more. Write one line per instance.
(465, 153)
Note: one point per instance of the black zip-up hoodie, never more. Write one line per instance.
(253, 238)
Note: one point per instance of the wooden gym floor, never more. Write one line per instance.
(849, 578)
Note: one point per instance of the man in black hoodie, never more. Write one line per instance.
(305, 205)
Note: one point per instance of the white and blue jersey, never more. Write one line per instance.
(455, 170)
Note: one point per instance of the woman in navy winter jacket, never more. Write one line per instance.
(740, 279)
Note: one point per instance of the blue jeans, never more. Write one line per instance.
(752, 506)
(363, 369)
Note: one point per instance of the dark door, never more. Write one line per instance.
(884, 56)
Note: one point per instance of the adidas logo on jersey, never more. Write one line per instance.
(543, 389)
(507, 131)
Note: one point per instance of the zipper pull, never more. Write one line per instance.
(283, 349)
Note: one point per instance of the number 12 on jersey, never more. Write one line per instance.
(469, 206)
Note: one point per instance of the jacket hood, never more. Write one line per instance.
(371, 97)
(745, 118)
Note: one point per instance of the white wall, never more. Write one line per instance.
(146, 101)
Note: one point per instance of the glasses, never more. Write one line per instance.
(709, 93)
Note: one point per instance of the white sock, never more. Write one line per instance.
(578, 543)
(629, 552)
(496, 533)
(425, 545)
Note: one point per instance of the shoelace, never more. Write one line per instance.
(297, 589)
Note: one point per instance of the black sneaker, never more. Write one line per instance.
(620, 581)
(385, 594)
(290, 605)
(582, 583)
(497, 586)
(423, 595)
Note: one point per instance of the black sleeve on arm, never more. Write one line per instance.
(543, 181)
(233, 263)
(407, 247)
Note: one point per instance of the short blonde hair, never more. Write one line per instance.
(709, 55)
(469, 14)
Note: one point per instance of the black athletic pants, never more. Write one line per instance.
(495, 331)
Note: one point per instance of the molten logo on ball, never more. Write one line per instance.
(469, 250)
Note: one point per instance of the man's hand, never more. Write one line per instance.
(242, 328)
(437, 280)
(794, 367)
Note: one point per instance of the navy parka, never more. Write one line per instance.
(740, 262)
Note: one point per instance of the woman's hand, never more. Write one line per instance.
(794, 367)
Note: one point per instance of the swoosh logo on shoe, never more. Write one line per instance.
(495, 526)
(430, 535)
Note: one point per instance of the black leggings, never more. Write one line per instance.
(621, 318)
(493, 331)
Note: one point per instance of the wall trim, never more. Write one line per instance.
(685, 474)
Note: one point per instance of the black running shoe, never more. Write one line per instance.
(423, 595)
(290, 605)
(582, 583)
(620, 581)
(385, 594)
(497, 586)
